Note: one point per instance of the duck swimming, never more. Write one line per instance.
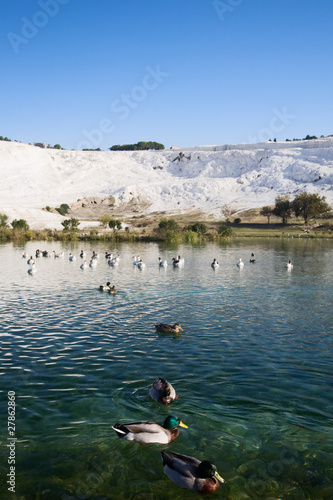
(105, 288)
(32, 269)
(290, 265)
(240, 263)
(162, 327)
(190, 473)
(162, 391)
(112, 262)
(178, 261)
(31, 260)
(162, 263)
(113, 290)
(150, 432)
(215, 263)
(252, 259)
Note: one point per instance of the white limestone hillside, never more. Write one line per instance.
(204, 177)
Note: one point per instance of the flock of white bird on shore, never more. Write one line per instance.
(113, 260)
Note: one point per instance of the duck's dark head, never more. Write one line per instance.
(172, 422)
(166, 391)
(208, 469)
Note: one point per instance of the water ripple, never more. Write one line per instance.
(252, 368)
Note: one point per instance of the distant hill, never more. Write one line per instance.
(203, 177)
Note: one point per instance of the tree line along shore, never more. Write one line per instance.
(307, 215)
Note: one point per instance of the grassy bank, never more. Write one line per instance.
(282, 231)
(180, 231)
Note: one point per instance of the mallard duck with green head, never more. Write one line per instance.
(150, 432)
(191, 473)
(162, 391)
(163, 327)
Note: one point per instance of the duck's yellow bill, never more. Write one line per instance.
(180, 328)
(181, 424)
(218, 477)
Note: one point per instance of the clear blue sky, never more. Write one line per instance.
(180, 72)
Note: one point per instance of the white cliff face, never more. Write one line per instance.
(204, 177)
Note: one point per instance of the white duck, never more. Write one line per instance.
(31, 260)
(72, 257)
(240, 264)
(113, 262)
(290, 265)
(136, 260)
(162, 263)
(84, 265)
(215, 264)
(141, 264)
(32, 269)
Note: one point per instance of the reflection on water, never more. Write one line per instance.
(252, 368)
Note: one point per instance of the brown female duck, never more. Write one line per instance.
(162, 327)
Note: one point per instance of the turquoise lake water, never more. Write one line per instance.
(253, 369)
